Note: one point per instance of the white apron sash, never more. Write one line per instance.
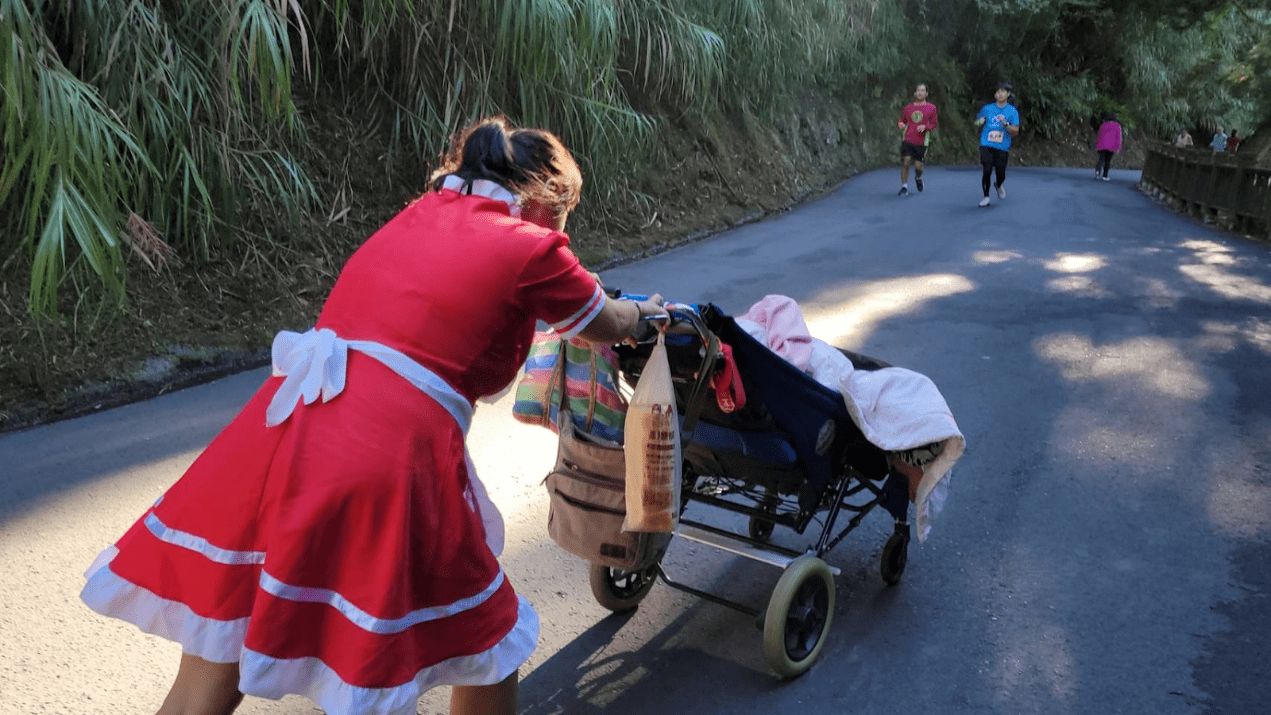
(315, 363)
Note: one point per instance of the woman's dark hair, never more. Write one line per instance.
(531, 163)
(1109, 116)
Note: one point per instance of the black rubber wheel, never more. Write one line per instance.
(799, 616)
(760, 528)
(895, 555)
(619, 590)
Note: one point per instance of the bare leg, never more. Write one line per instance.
(203, 688)
(497, 699)
(918, 169)
(904, 169)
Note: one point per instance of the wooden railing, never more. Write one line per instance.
(1231, 191)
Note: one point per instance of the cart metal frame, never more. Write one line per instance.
(797, 616)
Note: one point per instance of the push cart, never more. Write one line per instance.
(789, 458)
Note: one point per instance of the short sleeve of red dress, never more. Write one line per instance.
(552, 286)
(556, 288)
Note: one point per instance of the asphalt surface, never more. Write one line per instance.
(1104, 549)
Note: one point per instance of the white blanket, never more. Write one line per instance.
(898, 410)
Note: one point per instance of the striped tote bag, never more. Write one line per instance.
(590, 378)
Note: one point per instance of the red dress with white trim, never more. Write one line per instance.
(346, 554)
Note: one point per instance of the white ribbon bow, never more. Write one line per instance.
(314, 363)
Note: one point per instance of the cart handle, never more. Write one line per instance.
(674, 320)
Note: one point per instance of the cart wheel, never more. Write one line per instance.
(798, 617)
(895, 555)
(760, 528)
(620, 590)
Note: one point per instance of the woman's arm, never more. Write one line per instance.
(618, 319)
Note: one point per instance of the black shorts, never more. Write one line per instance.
(914, 150)
(993, 157)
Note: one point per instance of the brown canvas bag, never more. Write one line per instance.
(588, 504)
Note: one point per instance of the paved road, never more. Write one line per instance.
(1105, 549)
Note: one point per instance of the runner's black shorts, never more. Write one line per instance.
(914, 150)
(993, 157)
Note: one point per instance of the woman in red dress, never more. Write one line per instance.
(334, 540)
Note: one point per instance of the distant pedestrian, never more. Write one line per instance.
(1233, 142)
(1219, 142)
(1000, 122)
(1108, 144)
(918, 118)
(1184, 139)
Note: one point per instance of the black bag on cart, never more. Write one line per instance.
(588, 494)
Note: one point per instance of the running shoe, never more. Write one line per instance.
(919, 183)
(1001, 192)
(1106, 179)
(904, 191)
(985, 201)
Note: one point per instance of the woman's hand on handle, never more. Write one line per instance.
(654, 307)
(619, 320)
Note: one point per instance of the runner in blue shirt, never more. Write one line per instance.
(1000, 122)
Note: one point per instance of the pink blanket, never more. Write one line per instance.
(783, 324)
(897, 410)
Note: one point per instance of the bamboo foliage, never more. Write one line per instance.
(115, 109)
(177, 114)
(596, 71)
(66, 157)
(550, 63)
(1164, 63)
(670, 54)
(260, 50)
(1178, 78)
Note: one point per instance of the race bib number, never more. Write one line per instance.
(995, 136)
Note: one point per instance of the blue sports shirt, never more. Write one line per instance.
(994, 133)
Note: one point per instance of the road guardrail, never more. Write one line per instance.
(1231, 191)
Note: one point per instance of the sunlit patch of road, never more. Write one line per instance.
(844, 316)
(1150, 363)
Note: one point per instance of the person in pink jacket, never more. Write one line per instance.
(1108, 143)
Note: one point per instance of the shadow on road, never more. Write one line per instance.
(40, 464)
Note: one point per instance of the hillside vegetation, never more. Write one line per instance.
(181, 179)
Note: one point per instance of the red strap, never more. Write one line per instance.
(729, 392)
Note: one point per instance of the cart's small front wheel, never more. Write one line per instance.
(798, 617)
(760, 528)
(620, 590)
(895, 555)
